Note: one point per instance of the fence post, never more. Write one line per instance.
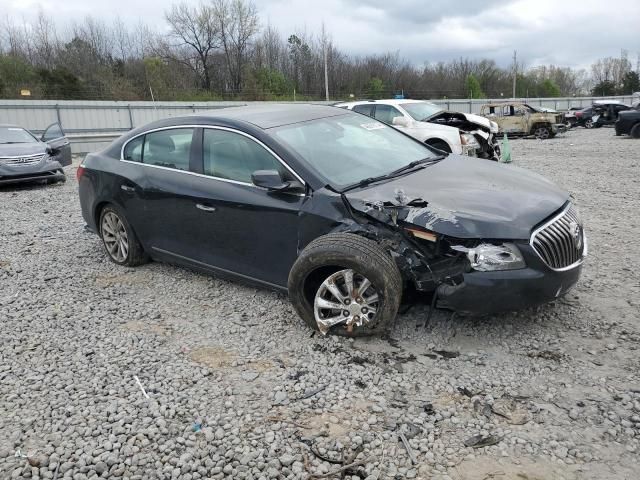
(130, 117)
(57, 107)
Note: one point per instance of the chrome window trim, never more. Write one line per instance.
(212, 127)
(545, 225)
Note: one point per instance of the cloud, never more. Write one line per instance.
(570, 33)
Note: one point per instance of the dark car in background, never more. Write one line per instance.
(600, 114)
(24, 157)
(341, 211)
(628, 122)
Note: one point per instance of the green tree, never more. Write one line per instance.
(15, 74)
(472, 85)
(271, 82)
(630, 83)
(59, 83)
(375, 88)
(604, 88)
(549, 88)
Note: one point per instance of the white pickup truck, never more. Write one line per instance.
(454, 132)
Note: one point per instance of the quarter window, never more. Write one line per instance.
(364, 109)
(235, 157)
(133, 150)
(168, 148)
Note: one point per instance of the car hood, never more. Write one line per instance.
(477, 119)
(464, 197)
(18, 149)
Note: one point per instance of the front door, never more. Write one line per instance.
(240, 227)
(54, 137)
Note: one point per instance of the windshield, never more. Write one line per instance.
(15, 135)
(421, 110)
(349, 148)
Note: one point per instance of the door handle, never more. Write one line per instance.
(205, 208)
(127, 188)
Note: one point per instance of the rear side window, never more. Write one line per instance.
(168, 148)
(235, 157)
(364, 109)
(133, 150)
(386, 113)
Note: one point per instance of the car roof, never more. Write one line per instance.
(273, 115)
(393, 101)
(10, 125)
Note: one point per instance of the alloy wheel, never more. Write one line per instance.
(345, 297)
(114, 235)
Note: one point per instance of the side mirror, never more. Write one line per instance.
(271, 180)
(400, 121)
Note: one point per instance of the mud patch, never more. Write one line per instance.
(483, 468)
(143, 327)
(122, 279)
(212, 357)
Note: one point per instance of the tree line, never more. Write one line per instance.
(219, 50)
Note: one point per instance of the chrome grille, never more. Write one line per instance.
(22, 161)
(561, 243)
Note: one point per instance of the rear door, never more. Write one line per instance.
(54, 137)
(159, 199)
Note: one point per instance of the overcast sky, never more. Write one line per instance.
(563, 32)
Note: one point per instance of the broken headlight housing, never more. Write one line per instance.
(469, 140)
(487, 257)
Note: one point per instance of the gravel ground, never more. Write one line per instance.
(239, 388)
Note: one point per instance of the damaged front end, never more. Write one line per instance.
(479, 135)
(466, 275)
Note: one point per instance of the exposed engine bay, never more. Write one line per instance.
(481, 128)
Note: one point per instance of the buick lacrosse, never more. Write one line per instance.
(341, 211)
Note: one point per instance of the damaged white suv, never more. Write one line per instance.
(452, 132)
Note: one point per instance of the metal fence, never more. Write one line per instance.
(92, 124)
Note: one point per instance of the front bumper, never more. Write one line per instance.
(481, 293)
(46, 170)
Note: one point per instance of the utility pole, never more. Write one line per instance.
(326, 72)
(515, 72)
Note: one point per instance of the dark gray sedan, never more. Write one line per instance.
(24, 157)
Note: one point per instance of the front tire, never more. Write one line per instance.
(588, 124)
(119, 239)
(543, 133)
(346, 285)
(635, 131)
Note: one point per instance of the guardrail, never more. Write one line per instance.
(90, 125)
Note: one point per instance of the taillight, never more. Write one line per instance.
(578, 114)
(79, 172)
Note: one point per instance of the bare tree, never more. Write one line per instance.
(238, 23)
(194, 38)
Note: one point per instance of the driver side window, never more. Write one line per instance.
(232, 156)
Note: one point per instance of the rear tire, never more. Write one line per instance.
(119, 240)
(635, 131)
(320, 271)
